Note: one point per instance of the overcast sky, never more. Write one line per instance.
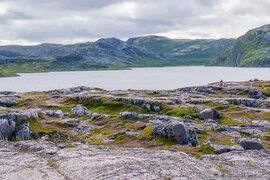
(70, 21)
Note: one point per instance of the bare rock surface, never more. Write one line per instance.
(20, 161)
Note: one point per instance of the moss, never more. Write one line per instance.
(60, 124)
(23, 149)
(179, 111)
(147, 133)
(36, 126)
(4, 73)
(95, 142)
(230, 122)
(108, 106)
(71, 146)
(222, 168)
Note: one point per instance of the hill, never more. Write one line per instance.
(249, 50)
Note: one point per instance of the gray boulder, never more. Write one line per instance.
(251, 144)
(7, 129)
(209, 113)
(80, 110)
(23, 133)
(57, 113)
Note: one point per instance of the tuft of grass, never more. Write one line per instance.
(164, 141)
(147, 133)
(206, 149)
(125, 138)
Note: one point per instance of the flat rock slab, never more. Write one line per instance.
(95, 162)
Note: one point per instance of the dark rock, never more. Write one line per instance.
(251, 144)
(219, 149)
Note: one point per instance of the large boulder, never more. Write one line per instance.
(80, 110)
(7, 129)
(23, 133)
(209, 113)
(251, 143)
(176, 131)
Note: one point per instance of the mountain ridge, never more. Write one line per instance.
(111, 53)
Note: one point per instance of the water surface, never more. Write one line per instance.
(163, 78)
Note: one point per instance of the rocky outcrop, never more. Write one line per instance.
(105, 162)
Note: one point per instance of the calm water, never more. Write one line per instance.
(137, 78)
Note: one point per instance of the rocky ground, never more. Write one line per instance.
(221, 130)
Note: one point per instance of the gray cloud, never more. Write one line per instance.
(69, 21)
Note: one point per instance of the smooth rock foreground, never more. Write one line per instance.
(44, 160)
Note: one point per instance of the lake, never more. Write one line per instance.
(161, 78)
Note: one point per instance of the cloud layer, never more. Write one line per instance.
(69, 21)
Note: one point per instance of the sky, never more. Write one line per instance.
(28, 22)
